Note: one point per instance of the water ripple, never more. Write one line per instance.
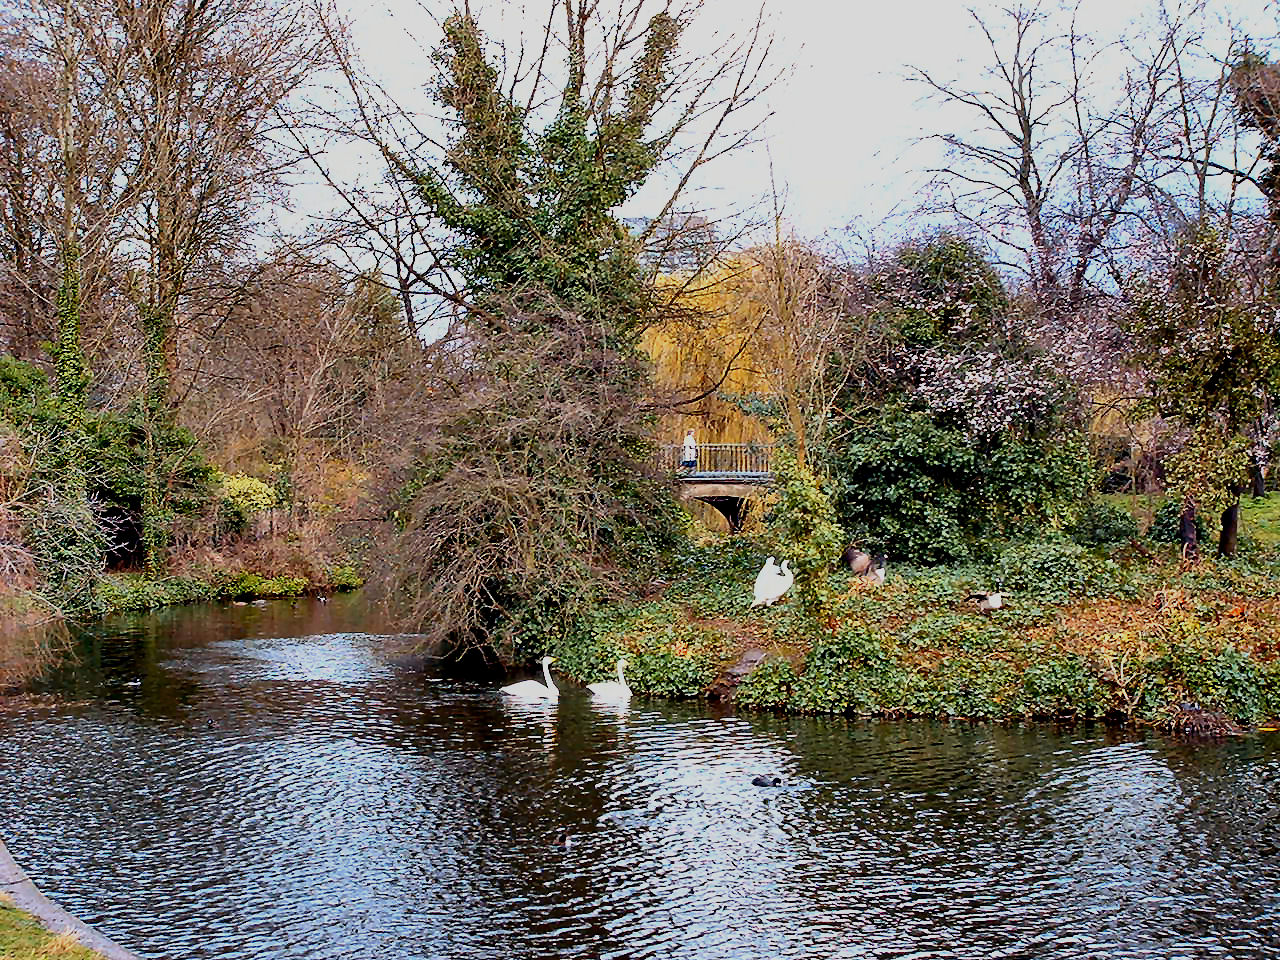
(276, 797)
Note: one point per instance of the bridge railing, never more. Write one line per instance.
(720, 458)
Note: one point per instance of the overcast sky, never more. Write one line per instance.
(845, 139)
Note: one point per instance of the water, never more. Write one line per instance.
(247, 782)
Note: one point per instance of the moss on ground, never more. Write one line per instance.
(22, 938)
(1083, 633)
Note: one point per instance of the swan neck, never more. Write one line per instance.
(546, 672)
(621, 679)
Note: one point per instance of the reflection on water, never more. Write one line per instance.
(207, 785)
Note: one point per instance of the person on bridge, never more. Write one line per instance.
(689, 453)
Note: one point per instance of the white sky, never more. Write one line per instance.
(845, 140)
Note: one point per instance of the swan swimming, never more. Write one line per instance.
(771, 583)
(612, 691)
(532, 689)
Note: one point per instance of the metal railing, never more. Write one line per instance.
(720, 459)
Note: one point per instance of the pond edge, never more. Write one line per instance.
(27, 896)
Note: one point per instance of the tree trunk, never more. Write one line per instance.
(1187, 531)
(1257, 479)
(1229, 538)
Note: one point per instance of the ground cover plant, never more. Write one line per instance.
(1082, 635)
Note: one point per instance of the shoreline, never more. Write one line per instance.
(28, 899)
(1082, 636)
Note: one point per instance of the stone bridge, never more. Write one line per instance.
(726, 476)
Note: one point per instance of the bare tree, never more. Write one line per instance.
(1053, 164)
(809, 326)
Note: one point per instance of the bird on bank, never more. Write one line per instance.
(861, 564)
(879, 569)
(771, 583)
(858, 561)
(610, 690)
(767, 572)
(987, 601)
(532, 689)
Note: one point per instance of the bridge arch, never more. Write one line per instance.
(727, 476)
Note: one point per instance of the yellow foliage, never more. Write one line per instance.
(715, 332)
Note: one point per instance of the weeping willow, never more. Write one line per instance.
(713, 347)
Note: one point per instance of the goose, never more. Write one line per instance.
(987, 601)
(858, 561)
(532, 689)
(614, 692)
(771, 583)
(879, 567)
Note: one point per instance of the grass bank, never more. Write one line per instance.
(1126, 633)
(125, 592)
(23, 938)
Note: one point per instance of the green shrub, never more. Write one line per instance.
(715, 580)
(665, 673)
(23, 386)
(943, 629)
(1061, 686)
(239, 498)
(926, 492)
(768, 687)
(965, 687)
(1056, 572)
(666, 657)
(849, 671)
(69, 545)
(121, 593)
(1193, 668)
(1101, 522)
(345, 577)
(1271, 689)
(803, 522)
(118, 456)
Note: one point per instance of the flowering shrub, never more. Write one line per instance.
(986, 394)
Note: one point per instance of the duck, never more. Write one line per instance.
(987, 600)
(771, 583)
(532, 689)
(610, 690)
(764, 780)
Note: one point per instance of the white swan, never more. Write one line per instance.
(764, 580)
(613, 692)
(771, 583)
(532, 689)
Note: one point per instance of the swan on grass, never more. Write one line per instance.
(532, 689)
(611, 690)
(771, 583)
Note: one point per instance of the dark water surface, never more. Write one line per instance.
(246, 782)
